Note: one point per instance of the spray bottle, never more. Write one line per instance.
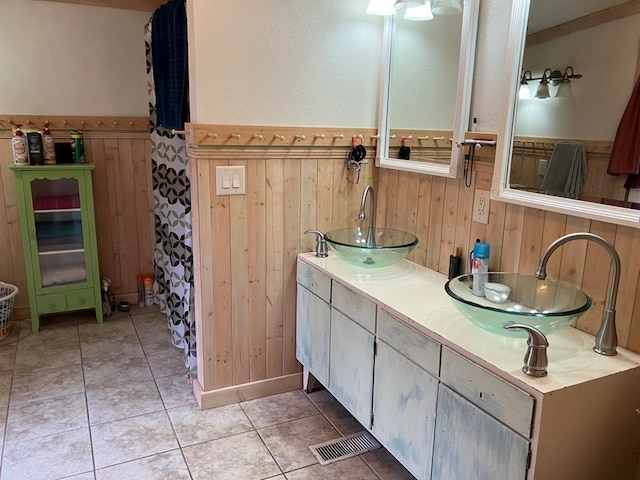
(480, 267)
(49, 147)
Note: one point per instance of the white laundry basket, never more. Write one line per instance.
(7, 294)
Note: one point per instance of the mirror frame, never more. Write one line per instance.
(470, 14)
(500, 189)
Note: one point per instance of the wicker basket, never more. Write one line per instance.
(7, 294)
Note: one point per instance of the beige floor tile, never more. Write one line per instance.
(350, 469)
(164, 466)
(123, 401)
(279, 408)
(193, 425)
(104, 348)
(166, 362)
(151, 318)
(112, 327)
(386, 466)
(7, 357)
(289, 442)
(48, 350)
(49, 383)
(132, 438)
(51, 457)
(82, 476)
(117, 371)
(46, 417)
(3, 423)
(335, 412)
(242, 456)
(153, 340)
(176, 390)
(6, 378)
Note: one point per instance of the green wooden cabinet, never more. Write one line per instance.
(57, 223)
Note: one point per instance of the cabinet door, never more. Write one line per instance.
(312, 334)
(404, 410)
(351, 366)
(471, 444)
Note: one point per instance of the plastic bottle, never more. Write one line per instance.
(140, 284)
(20, 147)
(480, 267)
(148, 290)
(48, 146)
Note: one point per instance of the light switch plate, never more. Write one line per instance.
(230, 180)
(481, 201)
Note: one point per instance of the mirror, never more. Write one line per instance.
(540, 138)
(426, 91)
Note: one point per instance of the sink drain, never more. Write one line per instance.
(344, 447)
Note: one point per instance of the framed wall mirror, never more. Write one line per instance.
(571, 71)
(426, 91)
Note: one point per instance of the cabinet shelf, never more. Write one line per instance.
(56, 210)
(60, 252)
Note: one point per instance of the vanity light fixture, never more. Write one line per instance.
(525, 93)
(564, 88)
(381, 7)
(446, 7)
(399, 4)
(543, 87)
(420, 13)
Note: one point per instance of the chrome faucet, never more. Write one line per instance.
(368, 190)
(607, 338)
(535, 360)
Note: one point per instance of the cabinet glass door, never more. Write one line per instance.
(58, 231)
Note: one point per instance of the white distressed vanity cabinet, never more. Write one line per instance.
(448, 399)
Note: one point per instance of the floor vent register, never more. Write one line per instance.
(345, 447)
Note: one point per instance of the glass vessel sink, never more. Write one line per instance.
(370, 247)
(545, 304)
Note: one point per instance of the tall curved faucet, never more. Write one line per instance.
(368, 190)
(607, 338)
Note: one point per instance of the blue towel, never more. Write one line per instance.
(169, 54)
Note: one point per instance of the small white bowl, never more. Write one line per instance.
(496, 292)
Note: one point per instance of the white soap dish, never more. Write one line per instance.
(496, 292)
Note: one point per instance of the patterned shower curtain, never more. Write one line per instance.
(173, 256)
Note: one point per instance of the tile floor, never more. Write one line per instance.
(84, 401)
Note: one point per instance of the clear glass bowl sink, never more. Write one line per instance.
(545, 304)
(372, 248)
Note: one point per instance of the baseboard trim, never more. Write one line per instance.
(247, 391)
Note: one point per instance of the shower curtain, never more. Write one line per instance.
(173, 256)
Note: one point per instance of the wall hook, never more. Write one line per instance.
(339, 136)
(257, 136)
(279, 137)
(235, 136)
(212, 136)
(300, 138)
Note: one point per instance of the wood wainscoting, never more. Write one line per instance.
(121, 150)
(245, 249)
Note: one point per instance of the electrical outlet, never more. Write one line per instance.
(542, 166)
(481, 201)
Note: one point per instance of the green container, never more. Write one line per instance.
(77, 147)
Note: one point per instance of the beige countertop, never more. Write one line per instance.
(416, 295)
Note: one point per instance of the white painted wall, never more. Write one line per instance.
(284, 62)
(63, 59)
(606, 56)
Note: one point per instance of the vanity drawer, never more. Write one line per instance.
(51, 303)
(314, 280)
(416, 346)
(354, 306)
(499, 398)
(80, 299)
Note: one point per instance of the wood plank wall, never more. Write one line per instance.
(245, 249)
(123, 203)
(438, 211)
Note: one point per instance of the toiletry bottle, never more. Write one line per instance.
(454, 264)
(140, 285)
(48, 146)
(480, 267)
(148, 290)
(20, 147)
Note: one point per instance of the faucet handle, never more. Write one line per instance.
(535, 360)
(321, 244)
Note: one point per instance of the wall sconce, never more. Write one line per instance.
(381, 7)
(554, 77)
(419, 13)
(418, 10)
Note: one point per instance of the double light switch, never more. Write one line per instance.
(230, 180)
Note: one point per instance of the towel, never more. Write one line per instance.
(567, 170)
(625, 154)
(169, 56)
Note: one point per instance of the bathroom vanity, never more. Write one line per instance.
(448, 399)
